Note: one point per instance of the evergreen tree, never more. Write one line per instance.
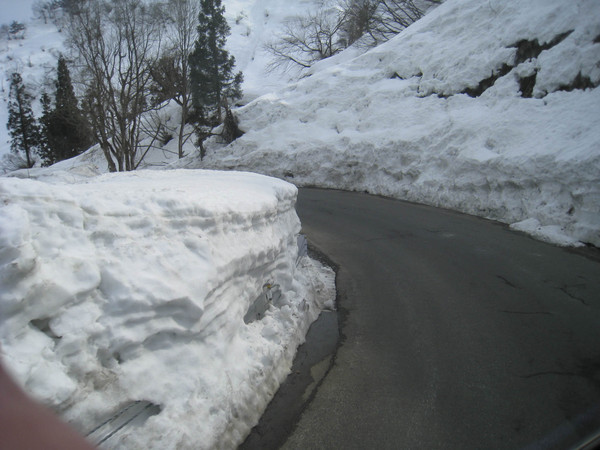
(45, 150)
(22, 126)
(65, 131)
(74, 127)
(65, 96)
(16, 30)
(212, 78)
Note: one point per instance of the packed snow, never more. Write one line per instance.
(397, 120)
(136, 287)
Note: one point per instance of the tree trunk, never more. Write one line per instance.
(25, 140)
(109, 160)
(182, 128)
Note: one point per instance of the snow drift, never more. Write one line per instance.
(490, 108)
(133, 288)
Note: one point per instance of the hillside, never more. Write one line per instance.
(252, 22)
(490, 108)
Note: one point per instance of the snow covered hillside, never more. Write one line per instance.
(252, 22)
(491, 108)
(140, 287)
(35, 57)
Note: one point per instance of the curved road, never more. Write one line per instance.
(456, 332)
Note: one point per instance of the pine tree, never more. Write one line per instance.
(45, 150)
(212, 78)
(65, 96)
(65, 131)
(16, 30)
(22, 126)
(72, 123)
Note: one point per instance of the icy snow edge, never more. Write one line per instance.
(134, 287)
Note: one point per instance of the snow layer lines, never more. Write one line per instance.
(129, 291)
(491, 108)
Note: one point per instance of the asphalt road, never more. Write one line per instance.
(456, 332)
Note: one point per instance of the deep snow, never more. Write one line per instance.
(436, 116)
(134, 287)
(128, 290)
(397, 121)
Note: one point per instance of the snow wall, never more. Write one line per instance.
(487, 107)
(134, 287)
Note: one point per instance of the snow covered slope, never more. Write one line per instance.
(252, 22)
(135, 288)
(35, 57)
(490, 108)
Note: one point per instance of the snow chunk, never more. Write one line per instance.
(549, 233)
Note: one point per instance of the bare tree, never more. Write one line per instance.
(308, 39)
(48, 10)
(392, 16)
(171, 74)
(359, 15)
(118, 41)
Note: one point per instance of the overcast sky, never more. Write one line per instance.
(15, 10)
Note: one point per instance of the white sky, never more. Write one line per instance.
(15, 10)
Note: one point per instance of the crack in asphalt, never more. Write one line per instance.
(508, 282)
(546, 313)
(565, 289)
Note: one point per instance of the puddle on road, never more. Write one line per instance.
(311, 364)
(318, 371)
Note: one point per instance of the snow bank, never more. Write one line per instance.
(489, 108)
(134, 287)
